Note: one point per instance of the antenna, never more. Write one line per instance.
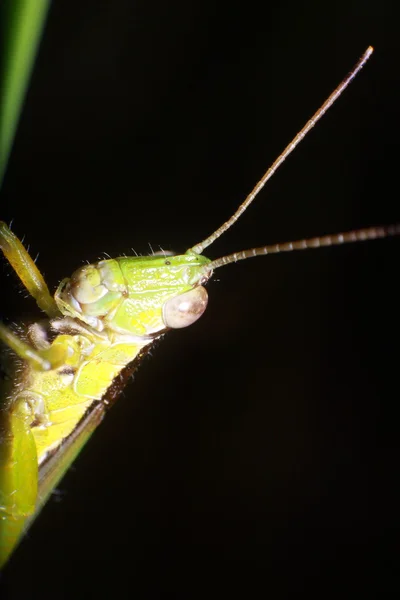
(356, 235)
(199, 248)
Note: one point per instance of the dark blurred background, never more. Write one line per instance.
(257, 448)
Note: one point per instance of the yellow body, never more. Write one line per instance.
(99, 321)
(71, 389)
(61, 397)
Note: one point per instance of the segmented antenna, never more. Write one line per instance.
(199, 248)
(357, 235)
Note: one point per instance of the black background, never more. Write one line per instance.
(256, 449)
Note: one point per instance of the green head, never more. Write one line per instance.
(137, 296)
(145, 296)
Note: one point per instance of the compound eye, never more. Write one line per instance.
(185, 309)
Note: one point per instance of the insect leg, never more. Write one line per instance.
(42, 359)
(18, 470)
(27, 271)
(23, 350)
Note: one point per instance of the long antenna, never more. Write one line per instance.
(198, 248)
(336, 239)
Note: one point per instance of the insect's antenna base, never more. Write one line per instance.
(357, 235)
(198, 248)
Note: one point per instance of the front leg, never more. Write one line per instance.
(42, 359)
(27, 271)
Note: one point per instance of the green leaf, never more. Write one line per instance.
(21, 23)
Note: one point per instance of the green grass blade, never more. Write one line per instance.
(21, 24)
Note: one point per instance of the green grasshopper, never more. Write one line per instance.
(65, 372)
